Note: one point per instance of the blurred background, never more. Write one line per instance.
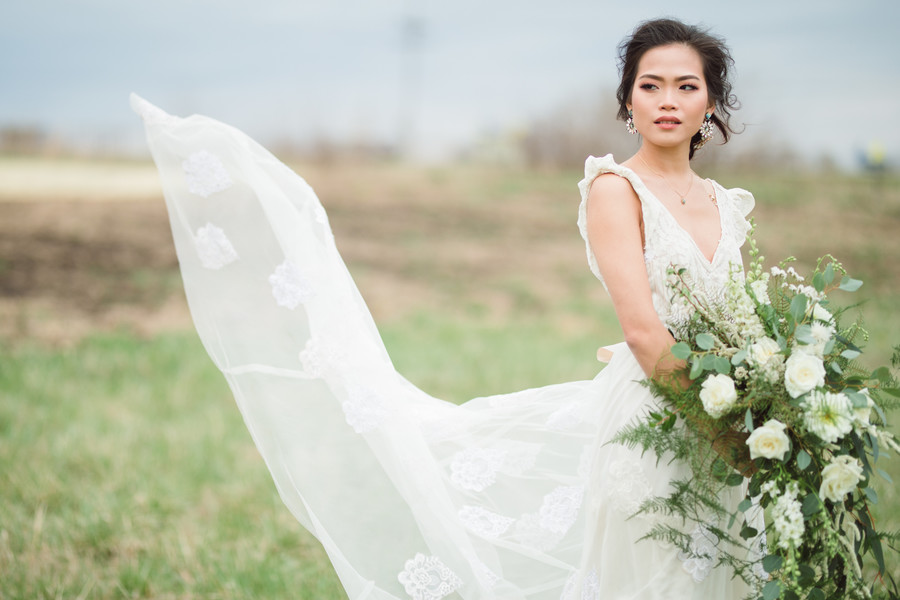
(445, 140)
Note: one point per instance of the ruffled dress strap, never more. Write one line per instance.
(742, 203)
(595, 166)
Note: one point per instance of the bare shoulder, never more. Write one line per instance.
(611, 192)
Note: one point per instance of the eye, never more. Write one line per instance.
(648, 86)
(690, 87)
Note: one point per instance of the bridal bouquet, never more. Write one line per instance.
(777, 407)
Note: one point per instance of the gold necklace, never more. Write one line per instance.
(683, 196)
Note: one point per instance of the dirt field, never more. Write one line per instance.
(86, 246)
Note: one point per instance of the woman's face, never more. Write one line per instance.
(669, 99)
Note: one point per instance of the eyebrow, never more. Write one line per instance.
(658, 78)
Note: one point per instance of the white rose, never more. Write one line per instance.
(769, 441)
(762, 350)
(760, 289)
(718, 395)
(840, 478)
(803, 373)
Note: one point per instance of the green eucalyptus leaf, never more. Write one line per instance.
(772, 563)
(816, 594)
(857, 399)
(681, 351)
(828, 274)
(748, 421)
(772, 590)
(884, 474)
(882, 374)
(745, 505)
(803, 460)
(871, 494)
(723, 365)
(798, 307)
(739, 357)
(735, 479)
(749, 532)
(705, 341)
(696, 367)
(850, 354)
(819, 282)
(848, 284)
(709, 362)
(811, 505)
(804, 334)
(836, 368)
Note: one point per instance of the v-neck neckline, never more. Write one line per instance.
(709, 262)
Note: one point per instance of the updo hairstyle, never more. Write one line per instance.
(713, 53)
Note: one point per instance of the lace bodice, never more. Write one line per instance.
(667, 243)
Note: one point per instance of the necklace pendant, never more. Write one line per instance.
(684, 200)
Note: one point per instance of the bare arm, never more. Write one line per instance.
(614, 230)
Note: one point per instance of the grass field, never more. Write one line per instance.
(125, 468)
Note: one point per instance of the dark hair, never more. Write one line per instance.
(712, 50)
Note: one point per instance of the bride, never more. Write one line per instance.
(511, 496)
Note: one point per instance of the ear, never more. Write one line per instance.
(710, 110)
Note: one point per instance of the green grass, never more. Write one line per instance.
(126, 470)
(128, 473)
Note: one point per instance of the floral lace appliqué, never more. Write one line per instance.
(627, 487)
(560, 508)
(213, 247)
(364, 409)
(590, 587)
(484, 522)
(428, 578)
(320, 358)
(703, 550)
(289, 286)
(564, 418)
(205, 174)
(528, 532)
(476, 468)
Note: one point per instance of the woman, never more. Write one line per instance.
(512, 496)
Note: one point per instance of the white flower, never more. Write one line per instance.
(761, 351)
(718, 395)
(787, 517)
(803, 373)
(840, 477)
(828, 415)
(862, 414)
(769, 441)
(821, 314)
(741, 373)
(760, 289)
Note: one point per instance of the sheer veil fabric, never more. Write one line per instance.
(514, 496)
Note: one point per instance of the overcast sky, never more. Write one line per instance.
(822, 75)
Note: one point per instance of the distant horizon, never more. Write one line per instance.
(819, 78)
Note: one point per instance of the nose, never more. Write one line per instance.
(667, 100)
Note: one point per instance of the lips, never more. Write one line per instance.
(667, 121)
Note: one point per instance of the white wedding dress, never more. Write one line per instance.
(514, 496)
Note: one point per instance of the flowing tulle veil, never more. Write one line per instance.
(409, 495)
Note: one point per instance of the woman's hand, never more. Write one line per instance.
(731, 446)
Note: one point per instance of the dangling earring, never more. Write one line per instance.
(706, 132)
(629, 123)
